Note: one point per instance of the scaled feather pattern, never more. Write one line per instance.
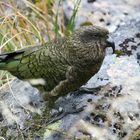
(64, 64)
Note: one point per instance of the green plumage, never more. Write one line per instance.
(64, 64)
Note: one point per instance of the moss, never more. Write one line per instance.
(135, 135)
(55, 127)
(86, 23)
(119, 52)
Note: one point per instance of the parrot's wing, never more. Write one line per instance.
(36, 63)
(9, 61)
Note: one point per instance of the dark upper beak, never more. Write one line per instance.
(110, 43)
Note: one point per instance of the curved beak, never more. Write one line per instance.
(111, 44)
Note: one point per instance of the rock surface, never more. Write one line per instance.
(110, 111)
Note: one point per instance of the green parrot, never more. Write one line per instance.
(63, 64)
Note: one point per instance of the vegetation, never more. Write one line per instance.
(31, 22)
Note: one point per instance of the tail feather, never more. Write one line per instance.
(9, 61)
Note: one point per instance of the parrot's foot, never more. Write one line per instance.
(61, 113)
(90, 90)
(50, 100)
(58, 112)
(49, 107)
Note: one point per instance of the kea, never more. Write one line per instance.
(64, 64)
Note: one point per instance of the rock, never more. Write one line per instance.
(111, 110)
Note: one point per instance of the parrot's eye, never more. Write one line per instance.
(88, 36)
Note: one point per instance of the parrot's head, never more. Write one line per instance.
(94, 36)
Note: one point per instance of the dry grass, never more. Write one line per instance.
(27, 24)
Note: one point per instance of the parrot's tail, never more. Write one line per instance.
(9, 61)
